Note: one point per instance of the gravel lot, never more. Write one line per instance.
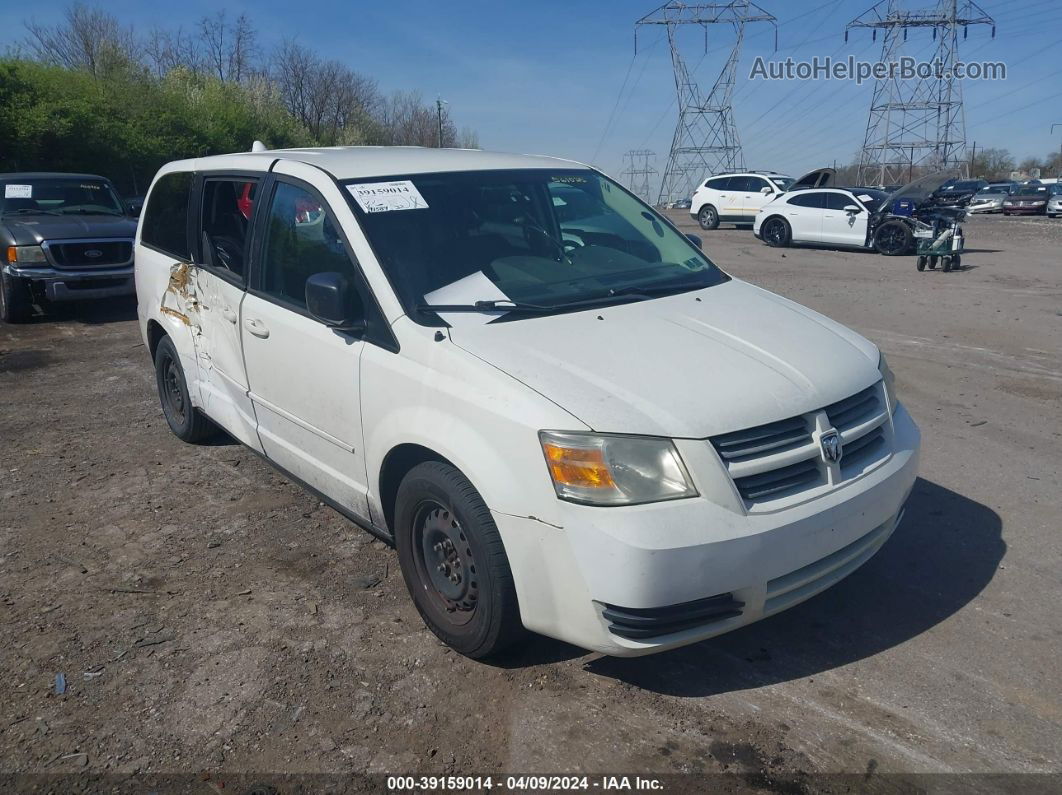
(211, 618)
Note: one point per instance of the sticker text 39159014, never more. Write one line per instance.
(382, 197)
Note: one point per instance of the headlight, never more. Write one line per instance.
(614, 470)
(890, 381)
(25, 254)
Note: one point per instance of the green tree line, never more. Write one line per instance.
(88, 94)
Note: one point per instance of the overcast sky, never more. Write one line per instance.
(545, 76)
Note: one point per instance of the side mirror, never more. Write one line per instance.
(695, 239)
(852, 209)
(766, 191)
(331, 299)
(133, 210)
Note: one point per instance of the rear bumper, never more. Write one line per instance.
(690, 569)
(69, 285)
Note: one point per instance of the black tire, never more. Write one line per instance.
(945, 263)
(921, 263)
(454, 563)
(186, 421)
(708, 217)
(776, 232)
(893, 239)
(956, 262)
(933, 261)
(1052, 215)
(1006, 213)
(16, 303)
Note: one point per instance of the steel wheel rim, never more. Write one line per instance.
(445, 564)
(172, 392)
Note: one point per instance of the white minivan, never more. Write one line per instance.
(565, 417)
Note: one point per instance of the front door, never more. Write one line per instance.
(840, 226)
(303, 375)
(754, 199)
(219, 281)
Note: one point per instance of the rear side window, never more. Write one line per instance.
(227, 206)
(165, 223)
(719, 183)
(807, 200)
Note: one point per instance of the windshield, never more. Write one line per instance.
(58, 196)
(871, 198)
(782, 182)
(1031, 190)
(552, 241)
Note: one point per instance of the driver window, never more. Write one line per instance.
(302, 239)
(227, 205)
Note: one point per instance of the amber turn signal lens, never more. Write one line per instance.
(12, 254)
(573, 466)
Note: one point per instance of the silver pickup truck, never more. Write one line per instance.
(63, 237)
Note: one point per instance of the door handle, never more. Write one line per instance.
(228, 314)
(256, 327)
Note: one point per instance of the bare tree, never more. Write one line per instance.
(165, 50)
(407, 120)
(231, 50)
(334, 102)
(86, 38)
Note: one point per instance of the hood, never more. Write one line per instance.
(686, 366)
(28, 230)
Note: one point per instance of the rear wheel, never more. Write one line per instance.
(776, 232)
(708, 217)
(453, 561)
(945, 263)
(921, 264)
(893, 238)
(956, 262)
(16, 303)
(185, 420)
(933, 263)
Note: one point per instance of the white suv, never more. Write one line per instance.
(736, 198)
(562, 414)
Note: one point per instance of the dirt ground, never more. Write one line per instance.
(210, 618)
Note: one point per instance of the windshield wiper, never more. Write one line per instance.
(29, 211)
(83, 211)
(487, 306)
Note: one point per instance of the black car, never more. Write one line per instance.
(63, 237)
(956, 192)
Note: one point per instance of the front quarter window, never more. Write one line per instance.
(553, 240)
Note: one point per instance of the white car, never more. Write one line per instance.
(824, 216)
(583, 429)
(1054, 203)
(735, 198)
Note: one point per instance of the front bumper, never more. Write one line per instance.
(80, 285)
(989, 207)
(1040, 210)
(694, 566)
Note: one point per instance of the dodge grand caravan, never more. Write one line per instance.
(562, 414)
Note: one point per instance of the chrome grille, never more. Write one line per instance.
(783, 458)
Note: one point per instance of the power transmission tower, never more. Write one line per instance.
(706, 139)
(917, 121)
(638, 172)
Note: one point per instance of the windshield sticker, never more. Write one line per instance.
(468, 290)
(864, 198)
(569, 180)
(18, 191)
(385, 197)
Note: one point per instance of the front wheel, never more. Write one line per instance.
(708, 218)
(16, 303)
(893, 239)
(453, 561)
(921, 263)
(776, 232)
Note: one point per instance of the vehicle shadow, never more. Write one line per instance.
(92, 313)
(944, 553)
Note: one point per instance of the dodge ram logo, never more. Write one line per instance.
(93, 253)
(832, 449)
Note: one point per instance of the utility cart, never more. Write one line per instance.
(939, 239)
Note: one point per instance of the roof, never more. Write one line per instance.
(355, 162)
(47, 175)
